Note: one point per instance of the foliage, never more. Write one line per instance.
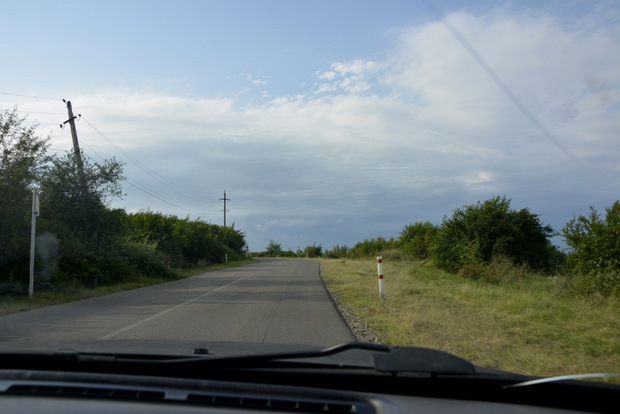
(156, 230)
(595, 259)
(337, 252)
(273, 248)
(501, 270)
(75, 201)
(74, 198)
(22, 156)
(372, 247)
(313, 251)
(477, 233)
(231, 237)
(415, 239)
(185, 242)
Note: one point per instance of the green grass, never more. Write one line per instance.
(19, 303)
(522, 323)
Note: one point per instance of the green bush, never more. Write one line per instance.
(595, 258)
(415, 240)
(337, 252)
(477, 233)
(372, 247)
(273, 249)
(500, 270)
(313, 251)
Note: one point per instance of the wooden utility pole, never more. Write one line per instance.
(225, 200)
(76, 146)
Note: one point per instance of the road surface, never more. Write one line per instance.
(274, 301)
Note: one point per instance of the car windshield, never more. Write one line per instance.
(271, 175)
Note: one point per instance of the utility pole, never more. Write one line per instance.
(33, 232)
(76, 146)
(225, 200)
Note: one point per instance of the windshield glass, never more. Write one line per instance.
(440, 174)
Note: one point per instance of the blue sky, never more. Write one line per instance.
(328, 122)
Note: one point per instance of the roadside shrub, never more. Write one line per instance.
(313, 251)
(500, 270)
(472, 271)
(477, 233)
(337, 252)
(372, 247)
(273, 249)
(595, 259)
(392, 254)
(415, 240)
(451, 251)
(595, 283)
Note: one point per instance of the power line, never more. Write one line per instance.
(151, 173)
(29, 96)
(498, 81)
(162, 180)
(142, 188)
(139, 187)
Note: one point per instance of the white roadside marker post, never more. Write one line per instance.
(380, 270)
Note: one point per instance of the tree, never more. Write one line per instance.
(231, 237)
(313, 251)
(78, 202)
(415, 239)
(75, 207)
(22, 156)
(477, 233)
(372, 247)
(595, 242)
(273, 248)
(337, 252)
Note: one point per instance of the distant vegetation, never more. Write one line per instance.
(81, 241)
(490, 242)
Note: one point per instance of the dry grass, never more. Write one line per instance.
(523, 323)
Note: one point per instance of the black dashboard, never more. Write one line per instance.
(63, 392)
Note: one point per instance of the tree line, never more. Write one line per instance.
(478, 241)
(81, 240)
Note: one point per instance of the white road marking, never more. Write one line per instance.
(150, 318)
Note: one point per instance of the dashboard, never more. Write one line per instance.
(63, 392)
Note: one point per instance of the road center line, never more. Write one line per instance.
(150, 318)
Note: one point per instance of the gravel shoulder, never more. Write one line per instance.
(360, 328)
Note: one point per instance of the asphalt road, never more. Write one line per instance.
(274, 301)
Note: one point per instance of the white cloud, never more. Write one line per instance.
(257, 82)
(352, 77)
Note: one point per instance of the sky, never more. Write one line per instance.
(328, 122)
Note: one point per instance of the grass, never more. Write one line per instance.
(523, 323)
(19, 303)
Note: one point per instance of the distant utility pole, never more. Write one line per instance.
(225, 200)
(76, 146)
